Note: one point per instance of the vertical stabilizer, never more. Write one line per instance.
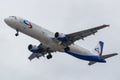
(99, 48)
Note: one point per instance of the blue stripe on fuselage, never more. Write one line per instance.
(62, 39)
(88, 58)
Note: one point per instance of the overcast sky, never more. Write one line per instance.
(66, 16)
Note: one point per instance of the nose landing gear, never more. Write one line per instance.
(17, 34)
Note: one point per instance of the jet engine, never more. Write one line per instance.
(60, 36)
(40, 50)
(34, 48)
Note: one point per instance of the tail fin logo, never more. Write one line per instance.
(99, 48)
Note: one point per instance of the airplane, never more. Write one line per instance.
(58, 42)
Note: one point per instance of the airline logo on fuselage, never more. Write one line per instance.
(26, 22)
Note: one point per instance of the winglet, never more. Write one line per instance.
(106, 25)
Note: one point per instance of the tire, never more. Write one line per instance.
(16, 34)
(66, 49)
(49, 56)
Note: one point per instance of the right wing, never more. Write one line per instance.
(71, 38)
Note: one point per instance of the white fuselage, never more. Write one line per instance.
(44, 36)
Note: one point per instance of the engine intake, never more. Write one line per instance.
(60, 36)
(56, 34)
(34, 48)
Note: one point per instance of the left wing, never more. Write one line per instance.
(39, 51)
(35, 55)
(71, 38)
(38, 55)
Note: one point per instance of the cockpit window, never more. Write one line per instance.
(13, 17)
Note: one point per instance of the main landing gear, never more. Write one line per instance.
(17, 34)
(49, 56)
(66, 49)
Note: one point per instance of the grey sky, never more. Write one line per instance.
(64, 16)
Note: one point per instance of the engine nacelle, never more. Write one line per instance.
(60, 36)
(34, 48)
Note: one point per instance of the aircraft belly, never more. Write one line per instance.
(82, 53)
(79, 50)
(45, 39)
(54, 46)
(86, 57)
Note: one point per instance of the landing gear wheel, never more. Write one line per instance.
(56, 34)
(66, 49)
(37, 57)
(17, 34)
(49, 56)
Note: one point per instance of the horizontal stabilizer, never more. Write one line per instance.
(103, 57)
(108, 56)
(91, 63)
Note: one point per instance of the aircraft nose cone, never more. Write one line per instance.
(6, 20)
